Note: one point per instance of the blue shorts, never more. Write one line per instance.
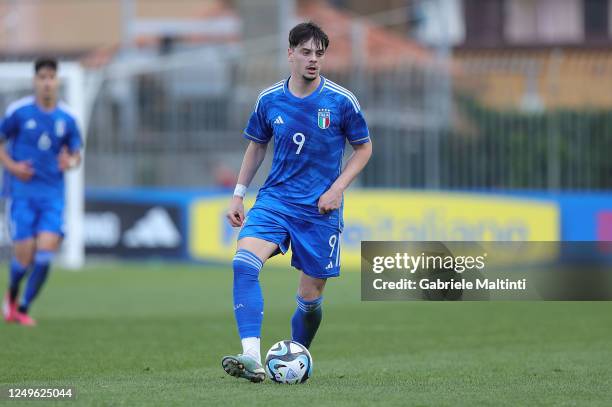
(30, 216)
(315, 248)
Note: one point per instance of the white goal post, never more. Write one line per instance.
(18, 77)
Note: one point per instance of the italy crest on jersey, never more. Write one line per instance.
(324, 118)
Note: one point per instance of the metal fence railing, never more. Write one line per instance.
(485, 123)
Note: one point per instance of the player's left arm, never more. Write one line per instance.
(70, 154)
(332, 198)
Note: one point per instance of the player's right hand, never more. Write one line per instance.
(22, 170)
(235, 213)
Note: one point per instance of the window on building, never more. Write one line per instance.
(596, 19)
(484, 22)
(532, 22)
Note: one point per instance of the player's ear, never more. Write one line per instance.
(290, 54)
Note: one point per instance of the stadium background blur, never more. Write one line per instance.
(491, 120)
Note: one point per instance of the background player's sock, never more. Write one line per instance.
(306, 320)
(252, 347)
(16, 275)
(248, 300)
(42, 262)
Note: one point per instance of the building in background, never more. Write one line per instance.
(540, 54)
(176, 81)
(459, 93)
(74, 28)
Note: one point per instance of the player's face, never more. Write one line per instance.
(46, 83)
(306, 60)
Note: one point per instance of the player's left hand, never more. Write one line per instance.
(330, 200)
(65, 160)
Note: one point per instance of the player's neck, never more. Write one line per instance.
(301, 88)
(46, 104)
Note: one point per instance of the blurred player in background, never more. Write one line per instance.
(40, 140)
(310, 119)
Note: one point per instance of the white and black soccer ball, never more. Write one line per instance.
(288, 362)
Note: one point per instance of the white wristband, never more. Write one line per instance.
(240, 190)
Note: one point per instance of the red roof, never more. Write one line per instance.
(383, 48)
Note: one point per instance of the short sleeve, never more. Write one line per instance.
(74, 140)
(9, 126)
(354, 125)
(258, 129)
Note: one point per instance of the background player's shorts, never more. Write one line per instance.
(30, 216)
(315, 248)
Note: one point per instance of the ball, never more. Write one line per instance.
(288, 362)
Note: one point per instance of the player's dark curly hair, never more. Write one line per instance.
(45, 62)
(304, 32)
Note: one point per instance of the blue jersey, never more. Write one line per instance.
(35, 135)
(309, 138)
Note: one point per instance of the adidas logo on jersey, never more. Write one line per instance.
(279, 120)
(330, 265)
(30, 124)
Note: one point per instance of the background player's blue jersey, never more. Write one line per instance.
(309, 138)
(35, 135)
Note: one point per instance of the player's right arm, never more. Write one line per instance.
(21, 169)
(253, 157)
(259, 132)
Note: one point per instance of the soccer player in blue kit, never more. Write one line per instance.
(40, 140)
(310, 118)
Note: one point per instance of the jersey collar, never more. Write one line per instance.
(43, 111)
(313, 95)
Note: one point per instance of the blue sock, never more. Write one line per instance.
(42, 261)
(248, 300)
(306, 320)
(16, 275)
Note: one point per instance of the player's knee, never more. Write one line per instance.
(246, 263)
(23, 259)
(23, 252)
(311, 289)
(48, 241)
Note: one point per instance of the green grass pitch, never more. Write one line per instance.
(153, 334)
